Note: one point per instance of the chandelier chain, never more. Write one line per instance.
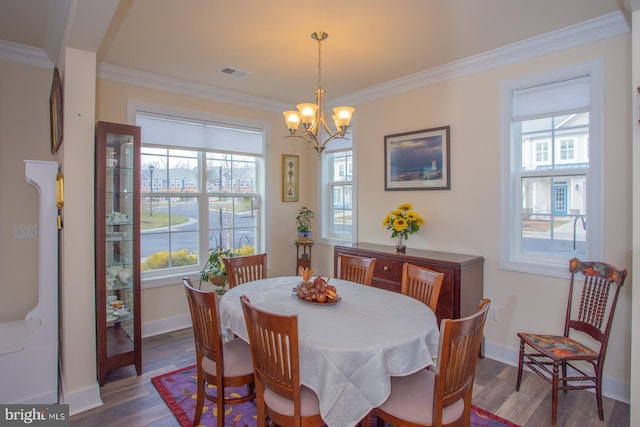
(319, 83)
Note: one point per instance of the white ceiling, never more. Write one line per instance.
(370, 41)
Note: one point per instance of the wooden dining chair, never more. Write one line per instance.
(355, 269)
(244, 269)
(422, 284)
(221, 364)
(441, 397)
(592, 314)
(274, 346)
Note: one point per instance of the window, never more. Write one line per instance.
(542, 152)
(551, 176)
(566, 150)
(196, 201)
(337, 192)
(340, 191)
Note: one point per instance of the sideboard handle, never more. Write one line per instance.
(385, 268)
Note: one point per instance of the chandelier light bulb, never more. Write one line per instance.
(293, 120)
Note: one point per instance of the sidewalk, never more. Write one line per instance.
(562, 232)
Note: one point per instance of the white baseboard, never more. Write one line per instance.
(612, 388)
(163, 326)
(83, 399)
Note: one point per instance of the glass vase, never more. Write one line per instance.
(400, 246)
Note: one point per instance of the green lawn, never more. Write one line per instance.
(159, 219)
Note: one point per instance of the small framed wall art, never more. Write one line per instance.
(290, 165)
(55, 111)
(417, 160)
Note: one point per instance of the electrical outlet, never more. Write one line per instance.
(493, 313)
(25, 232)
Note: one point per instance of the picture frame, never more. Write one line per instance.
(418, 160)
(290, 177)
(55, 111)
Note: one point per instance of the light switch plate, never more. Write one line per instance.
(25, 232)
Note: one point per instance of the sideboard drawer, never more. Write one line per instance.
(388, 269)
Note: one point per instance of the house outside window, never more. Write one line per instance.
(551, 187)
(196, 202)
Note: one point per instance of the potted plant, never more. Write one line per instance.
(214, 271)
(303, 222)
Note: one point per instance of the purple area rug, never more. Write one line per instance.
(178, 390)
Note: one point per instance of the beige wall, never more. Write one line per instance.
(464, 219)
(24, 135)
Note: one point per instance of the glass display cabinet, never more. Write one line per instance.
(117, 240)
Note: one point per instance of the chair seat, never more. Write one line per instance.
(558, 347)
(237, 359)
(309, 404)
(411, 398)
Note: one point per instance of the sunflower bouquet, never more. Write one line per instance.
(403, 221)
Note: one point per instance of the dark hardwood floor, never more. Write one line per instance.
(132, 401)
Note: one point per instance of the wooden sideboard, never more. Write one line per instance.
(463, 274)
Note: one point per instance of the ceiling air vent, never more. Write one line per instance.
(234, 72)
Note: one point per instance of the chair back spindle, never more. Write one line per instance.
(245, 269)
(422, 284)
(460, 342)
(355, 269)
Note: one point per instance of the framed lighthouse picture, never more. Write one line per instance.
(417, 160)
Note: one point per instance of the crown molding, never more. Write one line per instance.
(15, 52)
(155, 81)
(601, 28)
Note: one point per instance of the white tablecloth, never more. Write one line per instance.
(348, 350)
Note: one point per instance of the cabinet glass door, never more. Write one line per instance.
(119, 235)
(117, 248)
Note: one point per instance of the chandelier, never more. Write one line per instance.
(311, 115)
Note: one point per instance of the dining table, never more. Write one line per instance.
(349, 350)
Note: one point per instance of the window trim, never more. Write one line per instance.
(263, 189)
(510, 190)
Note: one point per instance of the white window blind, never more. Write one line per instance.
(559, 97)
(190, 133)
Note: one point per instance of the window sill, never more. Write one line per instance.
(535, 268)
(333, 241)
(170, 280)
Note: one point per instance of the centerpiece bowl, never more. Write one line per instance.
(315, 291)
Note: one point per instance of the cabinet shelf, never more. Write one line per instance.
(119, 319)
(120, 286)
(117, 232)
